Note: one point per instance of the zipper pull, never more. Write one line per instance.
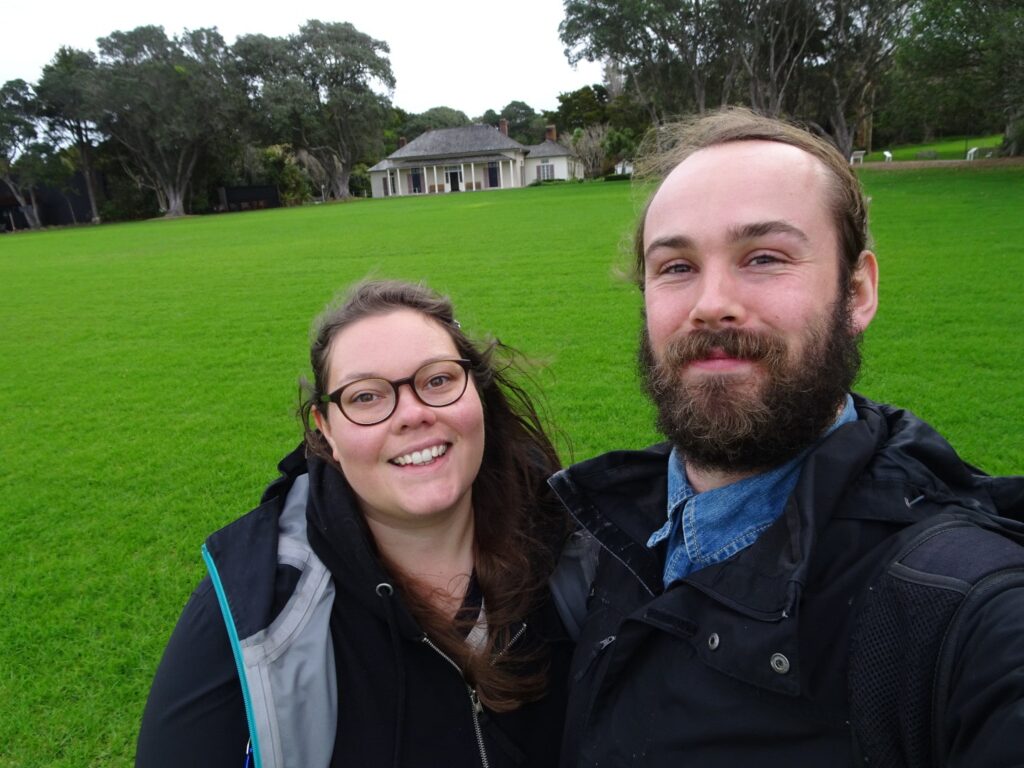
(477, 706)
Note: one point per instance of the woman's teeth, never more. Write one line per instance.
(421, 457)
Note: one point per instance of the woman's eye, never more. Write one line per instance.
(437, 380)
(364, 398)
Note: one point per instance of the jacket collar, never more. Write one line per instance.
(620, 498)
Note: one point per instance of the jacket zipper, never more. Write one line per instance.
(515, 637)
(475, 706)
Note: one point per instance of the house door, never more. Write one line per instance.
(492, 175)
(453, 177)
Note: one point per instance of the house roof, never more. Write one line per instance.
(549, 149)
(452, 142)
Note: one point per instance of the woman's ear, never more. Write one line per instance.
(864, 291)
(325, 429)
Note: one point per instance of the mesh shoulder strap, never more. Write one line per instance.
(904, 644)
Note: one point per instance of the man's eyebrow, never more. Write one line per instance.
(675, 242)
(761, 228)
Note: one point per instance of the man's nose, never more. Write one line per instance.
(718, 303)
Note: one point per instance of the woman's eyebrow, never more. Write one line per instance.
(357, 375)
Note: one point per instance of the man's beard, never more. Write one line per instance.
(723, 423)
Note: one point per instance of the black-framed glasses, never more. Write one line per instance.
(370, 401)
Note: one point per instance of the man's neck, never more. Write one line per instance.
(703, 479)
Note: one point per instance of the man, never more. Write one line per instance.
(736, 560)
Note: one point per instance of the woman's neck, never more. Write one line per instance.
(438, 558)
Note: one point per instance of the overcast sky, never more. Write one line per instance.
(471, 55)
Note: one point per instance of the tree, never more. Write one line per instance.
(66, 102)
(960, 69)
(315, 91)
(860, 41)
(412, 125)
(775, 47)
(490, 117)
(577, 109)
(17, 135)
(44, 165)
(524, 124)
(166, 101)
(620, 144)
(818, 59)
(589, 145)
(678, 55)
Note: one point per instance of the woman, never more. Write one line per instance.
(387, 604)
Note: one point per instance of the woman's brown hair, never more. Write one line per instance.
(518, 524)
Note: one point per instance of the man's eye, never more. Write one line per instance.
(764, 258)
(677, 269)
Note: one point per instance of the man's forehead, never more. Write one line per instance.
(739, 167)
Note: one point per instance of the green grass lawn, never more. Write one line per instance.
(149, 384)
(953, 148)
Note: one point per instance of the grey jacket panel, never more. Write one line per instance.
(289, 666)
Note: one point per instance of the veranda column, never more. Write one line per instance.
(501, 175)
(472, 174)
(398, 175)
(435, 178)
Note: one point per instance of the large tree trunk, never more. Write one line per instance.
(84, 152)
(27, 206)
(338, 175)
(35, 206)
(842, 133)
(175, 202)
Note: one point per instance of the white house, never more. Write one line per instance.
(469, 158)
(550, 160)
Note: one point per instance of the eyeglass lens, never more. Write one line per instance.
(368, 401)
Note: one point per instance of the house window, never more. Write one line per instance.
(545, 171)
(417, 180)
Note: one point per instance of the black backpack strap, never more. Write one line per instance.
(570, 583)
(904, 645)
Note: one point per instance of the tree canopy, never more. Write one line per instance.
(822, 60)
(315, 90)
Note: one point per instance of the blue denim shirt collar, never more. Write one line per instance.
(706, 528)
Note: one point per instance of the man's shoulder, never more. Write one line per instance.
(891, 445)
(625, 488)
(617, 467)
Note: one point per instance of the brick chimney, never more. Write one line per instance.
(402, 141)
(503, 126)
(550, 134)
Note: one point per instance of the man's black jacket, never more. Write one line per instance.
(745, 662)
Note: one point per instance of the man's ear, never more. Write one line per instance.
(325, 429)
(864, 291)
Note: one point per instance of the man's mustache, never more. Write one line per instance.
(682, 349)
